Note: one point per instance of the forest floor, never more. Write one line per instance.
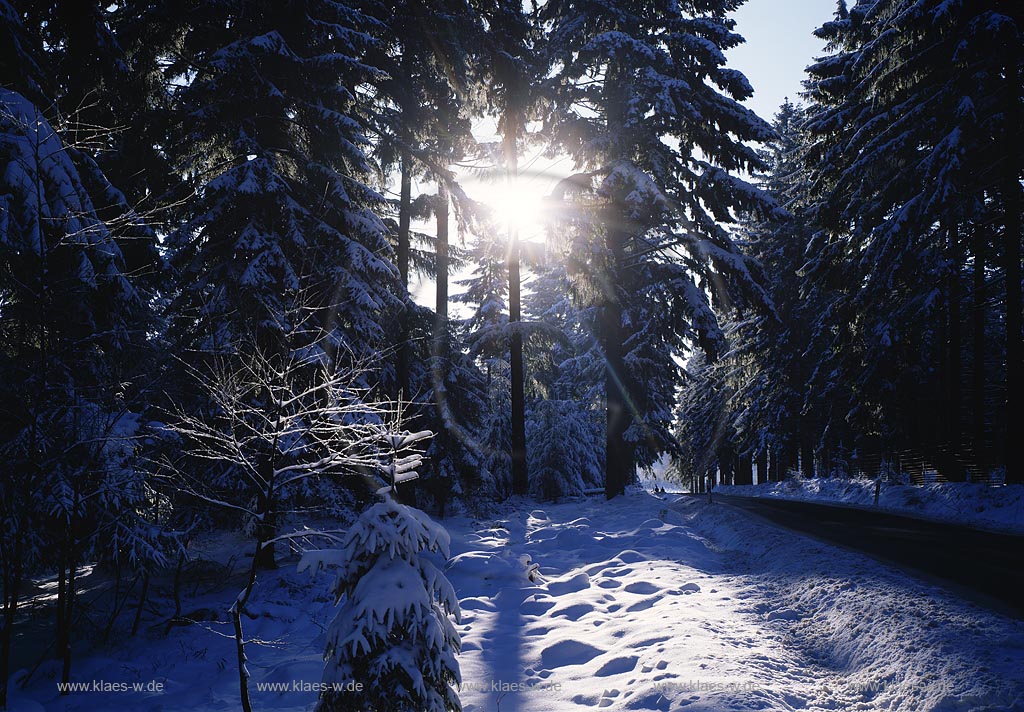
(639, 603)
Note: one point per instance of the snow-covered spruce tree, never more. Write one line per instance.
(904, 168)
(485, 336)
(20, 60)
(565, 366)
(84, 84)
(73, 330)
(663, 133)
(453, 405)
(134, 92)
(565, 448)
(704, 420)
(766, 366)
(272, 138)
(391, 646)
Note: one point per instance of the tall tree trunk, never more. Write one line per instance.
(69, 612)
(404, 221)
(11, 593)
(1012, 252)
(618, 453)
(619, 462)
(441, 307)
(745, 470)
(726, 464)
(806, 450)
(520, 475)
(954, 468)
(978, 351)
(65, 603)
(762, 466)
(236, 611)
(266, 527)
(778, 463)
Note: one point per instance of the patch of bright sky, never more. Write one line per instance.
(779, 45)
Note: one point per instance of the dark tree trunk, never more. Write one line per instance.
(65, 610)
(441, 319)
(726, 466)
(442, 260)
(806, 452)
(266, 559)
(142, 602)
(619, 461)
(69, 612)
(1012, 253)
(745, 470)
(404, 220)
(762, 466)
(978, 352)
(778, 464)
(12, 588)
(236, 611)
(618, 453)
(520, 475)
(954, 467)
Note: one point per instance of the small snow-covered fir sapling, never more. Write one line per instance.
(392, 645)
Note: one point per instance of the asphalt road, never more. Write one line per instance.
(984, 566)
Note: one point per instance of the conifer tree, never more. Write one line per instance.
(72, 359)
(903, 113)
(277, 152)
(392, 645)
(663, 134)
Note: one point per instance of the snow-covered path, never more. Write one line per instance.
(654, 605)
(640, 604)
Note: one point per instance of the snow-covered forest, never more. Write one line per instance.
(212, 216)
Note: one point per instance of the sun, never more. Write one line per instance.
(515, 205)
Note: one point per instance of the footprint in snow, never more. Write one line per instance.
(536, 608)
(642, 605)
(568, 652)
(617, 666)
(573, 612)
(574, 584)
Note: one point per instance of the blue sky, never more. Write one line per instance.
(779, 45)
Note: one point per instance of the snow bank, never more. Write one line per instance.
(878, 638)
(1000, 508)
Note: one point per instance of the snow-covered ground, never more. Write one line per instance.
(635, 604)
(978, 505)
